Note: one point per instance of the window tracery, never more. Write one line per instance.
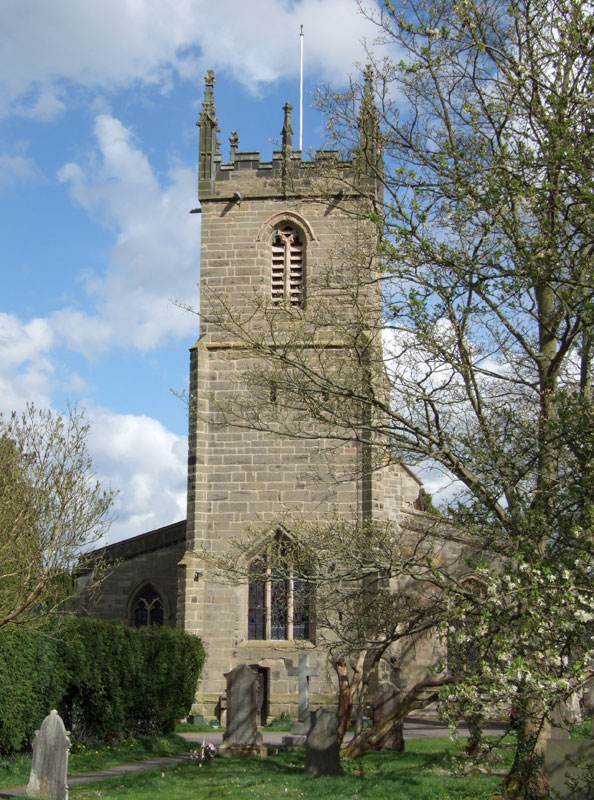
(279, 599)
(148, 608)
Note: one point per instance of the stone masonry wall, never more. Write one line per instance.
(149, 558)
(241, 479)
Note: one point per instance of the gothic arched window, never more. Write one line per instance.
(279, 599)
(287, 273)
(148, 608)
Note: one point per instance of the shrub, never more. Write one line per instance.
(169, 667)
(127, 680)
(105, 679)
(32, 681)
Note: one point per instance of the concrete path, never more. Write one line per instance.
(413, 729)
(123, 769)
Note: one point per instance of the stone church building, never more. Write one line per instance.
(273, 236)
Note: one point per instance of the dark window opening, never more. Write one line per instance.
(279, 603)
(148, 609)
(257, 601)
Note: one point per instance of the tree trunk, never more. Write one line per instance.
(527, 779)
(345, 700)
(473, 722)
(367, 739)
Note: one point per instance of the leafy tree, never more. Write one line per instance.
(373, 595)
(426, 502)
(484, 114)
(51, 510)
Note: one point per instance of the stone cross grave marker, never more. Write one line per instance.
(303, 672)
(51, 744)
(242, 734)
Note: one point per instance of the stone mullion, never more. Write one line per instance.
(268, 604)
(290, 606)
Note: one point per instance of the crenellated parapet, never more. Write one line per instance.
(245, 176)
(255, 179)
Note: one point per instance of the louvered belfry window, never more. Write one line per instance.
(287, 267)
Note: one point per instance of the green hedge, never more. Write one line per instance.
(105, 679)
(32, 681)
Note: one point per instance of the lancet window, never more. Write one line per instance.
(287, 275)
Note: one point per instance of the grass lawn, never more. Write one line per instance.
(188, 727)
(421, 773)
(87, 757)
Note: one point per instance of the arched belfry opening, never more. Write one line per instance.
(288, 238)
(287, 278)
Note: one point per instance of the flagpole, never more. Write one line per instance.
(301, 93)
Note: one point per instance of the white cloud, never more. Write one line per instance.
(48, 47)
(16, 169)
(47, 105)
(440, 484)
(26, 370)
(146, 463)
(259, 41)
(96, 43)
(155, 255)
(135, 455)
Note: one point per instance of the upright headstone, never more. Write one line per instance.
(322, 754)
(588, 699)
(568, 762)
(51, 744)
(242, 736)
(559, 724)
(573, 710)
(221, 710)
(385, 703)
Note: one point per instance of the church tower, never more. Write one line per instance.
(279, 240)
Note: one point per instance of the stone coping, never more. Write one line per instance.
(143, 543)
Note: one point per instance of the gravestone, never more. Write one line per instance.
(242, 736)
(221, 710)
(322, 754)
(588, 699)
(303, 672)
(566, 758)
(385, 703)
(51, 744)
(569, 759)
(559, 723)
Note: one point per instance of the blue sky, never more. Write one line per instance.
(98, 148)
